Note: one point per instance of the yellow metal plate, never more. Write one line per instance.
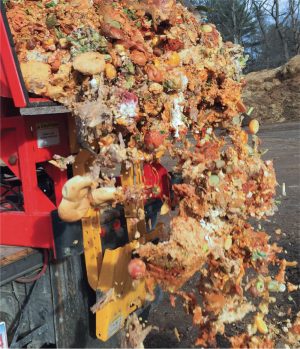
(92, 246)
(110, 271)
(130, 294)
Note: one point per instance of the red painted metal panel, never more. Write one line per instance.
(38, 99)
(33, 139)
(10, 80)
(8, 141)
(4, 87)
(53, 128)
(22, 229)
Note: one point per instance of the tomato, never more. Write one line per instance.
(154, 74)
(153, 139)
(136, 269)
(183, 131)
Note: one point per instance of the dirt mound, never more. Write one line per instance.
(275, 93)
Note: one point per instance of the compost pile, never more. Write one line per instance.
(138, 76)
(275, 93)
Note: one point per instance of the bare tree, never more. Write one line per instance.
(259, 10)
(280, 19)
(294, 13)
(234, 23)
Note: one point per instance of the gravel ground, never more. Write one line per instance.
(283, 142)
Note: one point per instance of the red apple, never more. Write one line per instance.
(136, 269)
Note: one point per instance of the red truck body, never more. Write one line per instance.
(25, 142)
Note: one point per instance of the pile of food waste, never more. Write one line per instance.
(146, 78)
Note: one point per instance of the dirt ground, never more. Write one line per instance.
(283, 142)
(274, 93)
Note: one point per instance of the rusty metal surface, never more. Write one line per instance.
(22, 266)
(57, 310)
(53, 109)
(27, 310)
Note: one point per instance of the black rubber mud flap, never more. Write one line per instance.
(67, 237)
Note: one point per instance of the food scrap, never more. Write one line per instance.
(135, 333)
(142, 78)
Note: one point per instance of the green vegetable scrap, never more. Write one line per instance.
(114, 23)
(258, 255)
(85, 40)
(52, 3)
(130, 13)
